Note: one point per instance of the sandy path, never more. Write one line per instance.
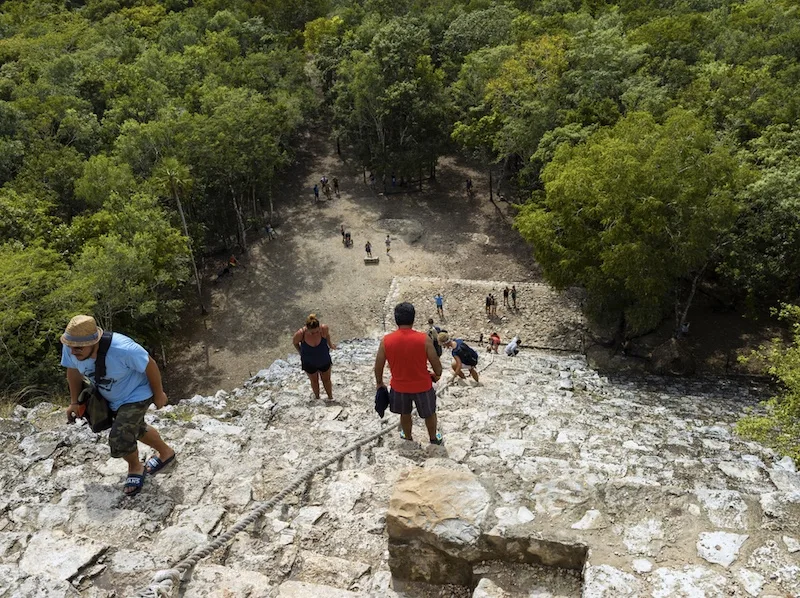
(437, 232)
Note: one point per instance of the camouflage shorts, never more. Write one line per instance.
(128, 427)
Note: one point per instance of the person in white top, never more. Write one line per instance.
(512, 348)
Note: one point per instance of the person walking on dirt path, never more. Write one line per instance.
(439, 304)
(270, 231)
(469, 186)
(505, 297)
(336, 186)
(327, 190)
(313, 342)
(388, 244)
(368, 249)
(132, 382)
(494, 305)
(342, 229)
(464, 356)
(409, 352)
(316, 193)
(514, 295)
(488, 302)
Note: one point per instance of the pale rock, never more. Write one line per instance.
(486, 588)
(448, 505)
(15, 583)
(592, 519)
(787, 464)
(751, 581)
(644, 538)
(175, 542)
(240, 495)
(215, 581)
(204, 518)
(690, 581)
(301, 589)
(605, 581)
(725, 508)
(308, 515)
(330, 570)
(785, 481)
(792, 544)
(745, 472)
(59, 555)
(721, 548)
(125, 560)
(642, 565)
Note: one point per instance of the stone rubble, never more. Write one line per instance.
(645, 473)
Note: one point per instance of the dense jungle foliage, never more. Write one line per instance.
(655, 146)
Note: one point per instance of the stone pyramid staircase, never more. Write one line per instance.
(645, 475)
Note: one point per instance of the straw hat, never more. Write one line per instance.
(82, 331)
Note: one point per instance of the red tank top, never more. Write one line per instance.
(408, 361)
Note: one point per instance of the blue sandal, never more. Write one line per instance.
(154, 464)
(133, 484)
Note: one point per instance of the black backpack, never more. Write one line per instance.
(467, 354)
(98, 413)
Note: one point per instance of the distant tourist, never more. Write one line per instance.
(494, 342)
(433, 333)
(488, 302)
(512, 348)
(439, 304)
(494, 305)
(409, 352)
(336, 186)
(131, 383)
(388, 244)
(368, 249)
(342, 229)
(505, 297)
(313, 342)
(316, 192)
(270, 231)
(514, 295)
(464, 356)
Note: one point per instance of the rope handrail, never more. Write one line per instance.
(166, 579)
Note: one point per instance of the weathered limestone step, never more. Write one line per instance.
(647, 473)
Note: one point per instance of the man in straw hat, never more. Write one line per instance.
(131, 383)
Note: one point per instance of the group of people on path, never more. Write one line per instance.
(326, 188)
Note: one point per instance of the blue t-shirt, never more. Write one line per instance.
(439, 300)
(125, 381)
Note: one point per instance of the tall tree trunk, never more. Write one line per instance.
(239, 221)
(191, 252)
(269, 196)
(682, 319)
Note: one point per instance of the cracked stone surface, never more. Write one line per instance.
(639, 470)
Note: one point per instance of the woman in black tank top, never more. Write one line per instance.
(313, 342)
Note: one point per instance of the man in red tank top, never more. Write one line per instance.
(408, 353)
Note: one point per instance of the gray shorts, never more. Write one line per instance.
(128, 428)
(402, 402)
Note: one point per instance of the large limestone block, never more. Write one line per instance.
(57, 555)
(442, 506)
(330, 570)
(215, 581)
